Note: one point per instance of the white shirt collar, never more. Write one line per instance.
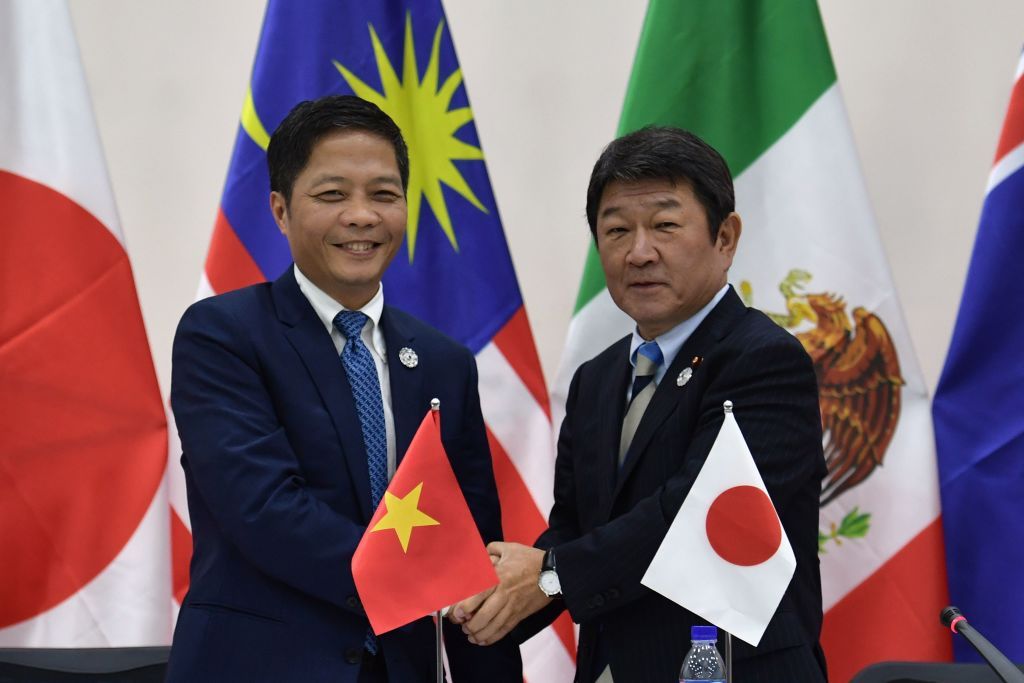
(673, 340)
(327, 309)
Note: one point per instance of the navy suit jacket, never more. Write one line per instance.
(607, 522)
(279, 491)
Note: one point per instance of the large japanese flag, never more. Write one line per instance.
(83, 440)
(725, 556)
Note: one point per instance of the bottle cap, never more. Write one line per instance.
(703, 633)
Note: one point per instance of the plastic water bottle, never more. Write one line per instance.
(703, 663)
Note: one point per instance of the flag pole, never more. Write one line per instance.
(440, 647)
(435, 408)
(728, 657)
(727, 408)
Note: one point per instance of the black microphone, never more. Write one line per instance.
(1004, 668)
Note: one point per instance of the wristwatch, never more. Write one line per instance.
(548, 581)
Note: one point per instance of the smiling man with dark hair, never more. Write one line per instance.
(294, 400)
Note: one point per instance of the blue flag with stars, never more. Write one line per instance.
(454, 270)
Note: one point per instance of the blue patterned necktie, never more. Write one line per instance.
(365, 383)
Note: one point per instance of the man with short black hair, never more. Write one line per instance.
(641, 418)
(294, 404)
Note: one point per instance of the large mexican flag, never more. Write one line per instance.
(755, 79)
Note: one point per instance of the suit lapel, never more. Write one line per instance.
(306, 333)
(612, 409)
(668, 395)
(406, 383)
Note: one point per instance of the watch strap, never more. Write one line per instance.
(548, 563)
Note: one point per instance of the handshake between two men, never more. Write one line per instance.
(263, 377)
(489, 616)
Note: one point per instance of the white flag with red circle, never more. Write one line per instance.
(84, 549)
(726, 557)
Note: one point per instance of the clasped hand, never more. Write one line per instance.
(488, 616)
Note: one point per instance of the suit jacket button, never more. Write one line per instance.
(352, 602)
(613, 593)
(354, 655)
(598, 601)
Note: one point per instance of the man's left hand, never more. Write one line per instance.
(516, 597)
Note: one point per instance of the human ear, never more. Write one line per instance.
(729, 234)
(279, 209)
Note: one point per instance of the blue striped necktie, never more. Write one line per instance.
(362, 377)
(648, 360)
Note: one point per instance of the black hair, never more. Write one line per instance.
(663, 153)
(293, 140)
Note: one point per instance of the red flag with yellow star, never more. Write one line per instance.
(421, 550)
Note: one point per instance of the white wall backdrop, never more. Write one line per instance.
(926, 85)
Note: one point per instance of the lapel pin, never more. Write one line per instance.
(408, 357)
(687, 373)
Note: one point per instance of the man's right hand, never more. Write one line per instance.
(487, 617)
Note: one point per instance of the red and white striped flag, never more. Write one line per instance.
(83, 438)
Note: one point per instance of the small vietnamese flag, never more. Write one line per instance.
(422, 550)
(725, 556)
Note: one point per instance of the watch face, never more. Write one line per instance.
(549, 583)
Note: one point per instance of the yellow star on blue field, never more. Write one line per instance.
(420, 108)
(403, 514)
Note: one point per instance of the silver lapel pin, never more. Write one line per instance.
(687, 373)
(408, 357)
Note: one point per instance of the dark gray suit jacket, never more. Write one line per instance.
(608, 522)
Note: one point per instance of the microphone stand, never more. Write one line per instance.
(1004, 668)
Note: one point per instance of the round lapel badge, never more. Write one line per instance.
(408, 357)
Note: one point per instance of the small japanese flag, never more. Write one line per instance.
(726, 557)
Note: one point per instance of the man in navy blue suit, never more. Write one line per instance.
(294, 401)
(641, 418)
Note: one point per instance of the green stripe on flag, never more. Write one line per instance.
(593, 279)
(738, 73)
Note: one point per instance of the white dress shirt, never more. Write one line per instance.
(671, 341)
(373, 337)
